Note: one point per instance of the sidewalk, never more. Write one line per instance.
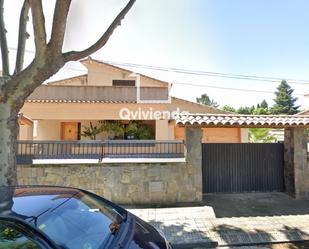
(200, 225)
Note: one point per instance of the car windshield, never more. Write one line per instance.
(75, 221)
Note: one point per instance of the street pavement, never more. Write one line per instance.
(232, 220)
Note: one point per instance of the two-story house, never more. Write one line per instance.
(64, 109)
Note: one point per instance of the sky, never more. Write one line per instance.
(268, 38)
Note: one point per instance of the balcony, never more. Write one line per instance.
(97, 94)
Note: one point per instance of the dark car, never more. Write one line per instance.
(60, 217)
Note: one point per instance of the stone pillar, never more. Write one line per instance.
(289, 162)
(193, 138)
(296, 170)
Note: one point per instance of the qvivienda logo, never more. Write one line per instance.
(149, 114)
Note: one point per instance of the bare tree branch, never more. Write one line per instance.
(38, 20)
(48, 60)
(19, 87)
(59, 25)
(22, 37)
(76, 55)
(3, 43)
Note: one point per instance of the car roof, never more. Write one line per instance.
(31, 201)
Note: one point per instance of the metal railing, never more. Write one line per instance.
(29, 150)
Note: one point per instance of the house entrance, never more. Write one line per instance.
(69, 130)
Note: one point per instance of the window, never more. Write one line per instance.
(123, 82)
(12, 238)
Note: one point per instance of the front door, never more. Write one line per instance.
(69, 131)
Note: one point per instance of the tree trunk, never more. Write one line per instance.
(48, 59)
(9, 130)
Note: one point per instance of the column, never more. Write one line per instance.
(193, 138)
(296, 170)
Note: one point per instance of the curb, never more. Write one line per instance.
(197, 245)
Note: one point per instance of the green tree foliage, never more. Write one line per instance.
(138, 130)
(205, 100)
(259, 109)
(264, 104)
(246, 110)
(284, 101)
(261, 135)
(117, 130)
(112, 128)
(91, 131)
(229, 108)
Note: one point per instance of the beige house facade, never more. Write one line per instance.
(63, 109)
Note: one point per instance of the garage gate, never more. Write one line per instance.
(235, 168)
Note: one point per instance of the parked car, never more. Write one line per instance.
(33, 217)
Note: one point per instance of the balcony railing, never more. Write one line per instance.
(98, 93)
(30, 150)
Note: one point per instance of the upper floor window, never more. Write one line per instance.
(123, 82)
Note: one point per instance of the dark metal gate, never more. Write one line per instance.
(232, 168)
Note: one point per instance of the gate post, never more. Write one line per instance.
(193, 137)
(296, 170)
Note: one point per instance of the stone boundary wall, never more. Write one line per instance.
(131, 183)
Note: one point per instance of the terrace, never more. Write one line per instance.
(97, 94)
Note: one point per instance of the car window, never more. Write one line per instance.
(13, 238)
(79, 222)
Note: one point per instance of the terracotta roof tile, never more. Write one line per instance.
(216, 120)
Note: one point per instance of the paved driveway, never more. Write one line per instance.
(233, 219)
